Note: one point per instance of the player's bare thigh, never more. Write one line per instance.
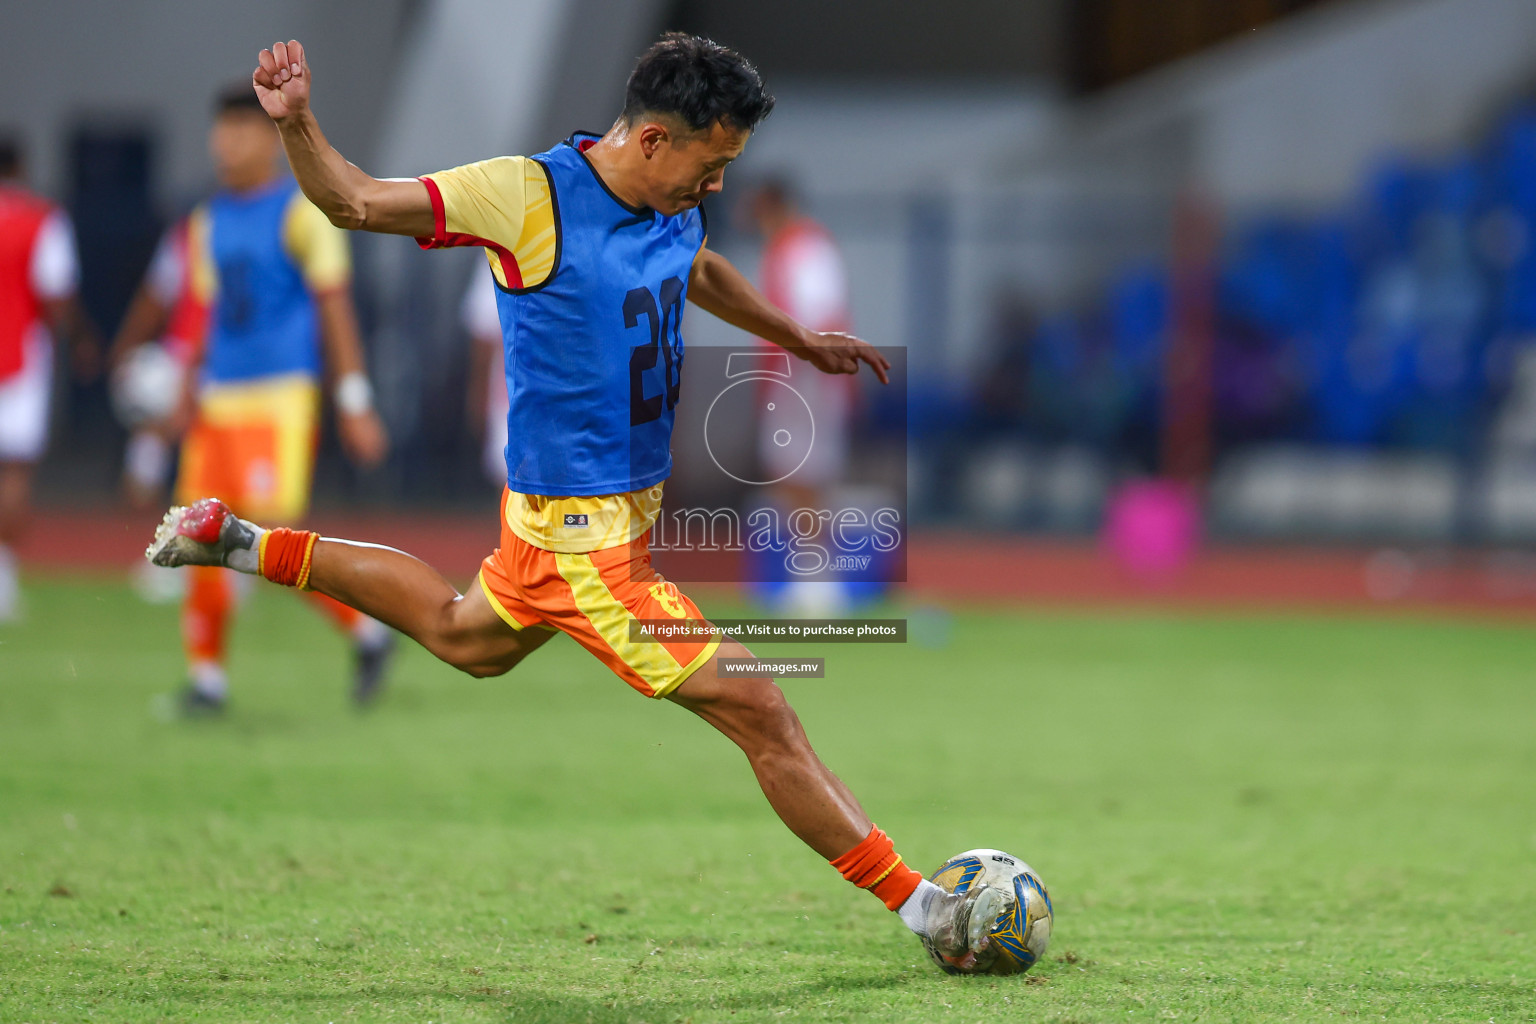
(408, 594)
(479, 642)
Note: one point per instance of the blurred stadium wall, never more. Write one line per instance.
(1008, 182)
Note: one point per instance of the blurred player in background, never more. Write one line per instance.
(166, 309)
(39, 278)
(596, 246)
(275, 276)
(168, 313)
(487, 403)
(803, 274)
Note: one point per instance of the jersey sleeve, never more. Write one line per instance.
(167, 269)
(503, 204)
(55, 267)
(202, 272)
(319, 247)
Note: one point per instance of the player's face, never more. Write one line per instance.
(244, 146)
(688, 169)
(763, 210)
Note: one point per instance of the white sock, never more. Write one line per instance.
(209, 680)
(147, 460)
(914, 912)
(10, 588)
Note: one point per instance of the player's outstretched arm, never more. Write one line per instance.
(349, 197)
(717, 286)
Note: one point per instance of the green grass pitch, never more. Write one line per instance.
(1239, 818)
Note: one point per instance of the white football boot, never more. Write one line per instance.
(958, 925)
(205, 532)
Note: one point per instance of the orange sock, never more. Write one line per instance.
(205, 613)
(875, 865)
(345, 617)
(284, 556)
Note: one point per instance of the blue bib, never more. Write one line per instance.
(263, 322)
(594, 355)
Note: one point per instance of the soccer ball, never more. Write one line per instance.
(147, 386)
(1022, 931)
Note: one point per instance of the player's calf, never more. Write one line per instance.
(816, 805)
(391, 586)
(751, 712)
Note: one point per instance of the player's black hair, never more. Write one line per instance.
(236, 97)
(10, 155)
(697, 81)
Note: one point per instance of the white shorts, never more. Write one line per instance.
(24, 402)
(829, 398)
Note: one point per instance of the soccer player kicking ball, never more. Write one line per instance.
(595, 245)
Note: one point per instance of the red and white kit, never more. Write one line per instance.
(803, 275)
(479, 316)
(38, 265)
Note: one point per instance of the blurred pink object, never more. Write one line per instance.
(1153, 527)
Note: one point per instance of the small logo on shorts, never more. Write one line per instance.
(575, 519)
(667, 595)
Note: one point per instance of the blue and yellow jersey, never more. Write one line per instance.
(258, 260)
(590, 294)
(504, 204)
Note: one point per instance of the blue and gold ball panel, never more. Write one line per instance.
(1023, 930)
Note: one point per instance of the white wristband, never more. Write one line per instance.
(354, 394)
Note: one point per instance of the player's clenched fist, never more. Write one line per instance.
(281, 79)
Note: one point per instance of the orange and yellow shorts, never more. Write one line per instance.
(253, 446)
(594, 596)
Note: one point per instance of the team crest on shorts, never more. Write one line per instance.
(575, 519)
(666, 595)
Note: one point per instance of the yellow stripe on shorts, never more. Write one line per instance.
(496, 607)
(650, 660)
